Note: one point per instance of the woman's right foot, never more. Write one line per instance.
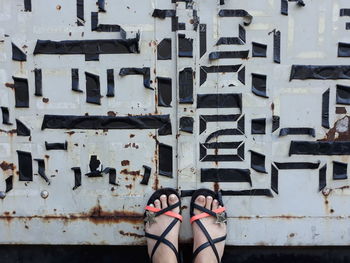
(214, 229)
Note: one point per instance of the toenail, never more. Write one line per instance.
(163, 196)
(172, 197)
(201, 198)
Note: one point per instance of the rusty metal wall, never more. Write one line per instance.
(104, 102)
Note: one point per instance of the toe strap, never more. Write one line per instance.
(217, 213)
(162, 211)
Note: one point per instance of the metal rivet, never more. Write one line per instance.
(44, 194)
(2, 195)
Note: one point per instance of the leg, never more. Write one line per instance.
(163, 253)
(215, 230)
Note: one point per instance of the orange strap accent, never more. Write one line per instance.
(168, 213)
(203, 215)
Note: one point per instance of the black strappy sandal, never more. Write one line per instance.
(150, 216)
(219, 214)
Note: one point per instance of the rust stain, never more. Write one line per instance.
(216, 186)
(125, 162)
(340, 131)
(10, 85)
(131, 145)
(129, 234)
(132, 135)
(70, 132)
(58, 7)
(129, 186)
(111, 113)
(96, 215)
(291, 235)
(134, 173)
(7, 166)
(46, 100)
(340, 110)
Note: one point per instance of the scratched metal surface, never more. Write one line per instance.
(303, 208)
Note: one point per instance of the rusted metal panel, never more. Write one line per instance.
(163, 93)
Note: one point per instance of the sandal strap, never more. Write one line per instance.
(161, 239)
(206, 213)
(207, 244)
(159, 211)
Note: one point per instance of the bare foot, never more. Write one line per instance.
(163, 252)
(214, 229)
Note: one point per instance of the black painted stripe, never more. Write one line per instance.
(225, 175)
(319, 148)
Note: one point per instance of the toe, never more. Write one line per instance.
(215, 204)
(173, 199)
(164, 201)
(208, 202)
(200, 200)
(157, 204)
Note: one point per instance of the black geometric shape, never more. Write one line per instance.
(164, 49)
(343, 95)
(163, 13)
(110, 83)
(88, 47)
(146, 175)
(186, 86)
(227, 100)
(322, 179)
(164, 92)
(77, 177)
(56, 146)
(277, 47)
(241, 75)
(344, 50)
(22, 129)
(25, 166)
(297, 165)
(259, 85)
(257, 162)
(202, 39)
(325, 109)
(17, 54)
(75, 80)
(185, 46)
(93, 91)
(5, 116)
(94, 164)
(228, 54)
(226, 175)
(259, 126)
(274, 179)
(112, 176)
(298, 131)
(38, 82)
(80, 13)
(41, 170)
(21, 92)
(340, 171)
(9, 184)
(275, 123)
(319, 148)
(186, 124)
(27, 5)
(237, 13)
(330, 72)
(259, 50)
(94, 122)
(165, 160)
